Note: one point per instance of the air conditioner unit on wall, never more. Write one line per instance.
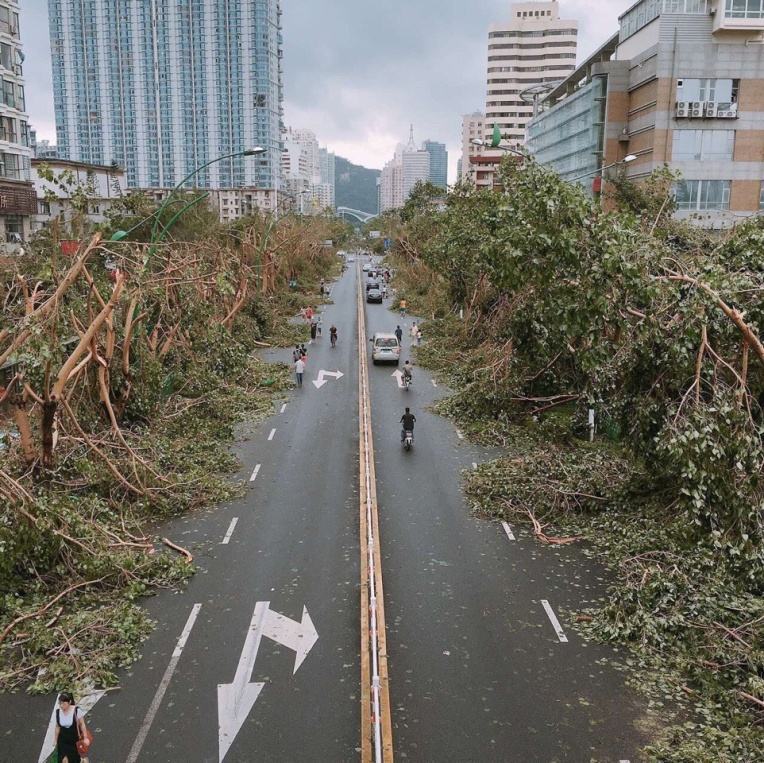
(697, 108)
(726, 114)
(682, 109)
(711, 109)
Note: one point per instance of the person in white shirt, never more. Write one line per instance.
(299, 370)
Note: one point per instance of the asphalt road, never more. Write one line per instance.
(477, 670)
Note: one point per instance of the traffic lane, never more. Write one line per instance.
(465, 615)
(295, 545)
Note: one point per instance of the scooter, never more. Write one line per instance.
(408, 440)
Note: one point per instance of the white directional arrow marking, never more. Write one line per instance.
(235, 700)
(322, 377)
(399, 376)
(85, 705)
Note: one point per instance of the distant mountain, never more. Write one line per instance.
(355, 186)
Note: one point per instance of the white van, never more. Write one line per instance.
(385, 348)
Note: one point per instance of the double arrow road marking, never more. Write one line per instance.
(235, 700)
(321, 380)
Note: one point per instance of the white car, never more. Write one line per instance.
(366, 267)
(350, 259)
(385, 348)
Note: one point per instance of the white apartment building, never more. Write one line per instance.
(17, 198)
(103, 184)
(535, 46)
(473, 127)
(234, 203)
(308, 171)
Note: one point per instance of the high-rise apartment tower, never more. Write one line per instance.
(162, 87)
(534, 47)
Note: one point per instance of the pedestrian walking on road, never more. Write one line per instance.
(413, 330)
(333, 335)
(418, 337)
(313, 330)
(299, 370)
(70, 729)
(296, 353)
(399, 334)
(308, 314)
(318, 325)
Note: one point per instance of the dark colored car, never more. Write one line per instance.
(374, 295)
(372, 285)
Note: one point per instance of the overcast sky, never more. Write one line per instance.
(358, 72)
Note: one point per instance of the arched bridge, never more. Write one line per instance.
(359, 215)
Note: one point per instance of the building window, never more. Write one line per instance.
(14, 229)
(721, 91)
(761, 195)
(702, 195)
(744, 9)
(702, 145)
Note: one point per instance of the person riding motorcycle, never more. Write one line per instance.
(408, 373)
(407, 420)
(333, 335)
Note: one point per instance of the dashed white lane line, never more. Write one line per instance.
(255, 473)
(270, 436)
(434, 383)
(508, 530)
(231, 528)
(459, 434)
(140, 740)
(555, 622)
(474, 464)
(283, 408)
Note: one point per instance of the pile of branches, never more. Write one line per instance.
(125, 368)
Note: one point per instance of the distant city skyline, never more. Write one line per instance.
(358, 96)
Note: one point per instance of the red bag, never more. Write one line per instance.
(84, 742)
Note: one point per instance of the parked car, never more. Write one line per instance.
(385, 348)
(374, 295)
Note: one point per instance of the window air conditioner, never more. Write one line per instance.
(697, 108)
(711, 109)
(682, 109)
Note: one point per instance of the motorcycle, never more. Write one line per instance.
(407, 381)
(408, 439)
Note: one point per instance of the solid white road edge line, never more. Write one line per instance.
(255, 473)
(270, 436)
(508, 530)
(231, 528)
(555, 622)
(140, 740)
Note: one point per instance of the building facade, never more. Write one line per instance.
(473, 128)
(103, 186)
(165, 86)
(535, 46)
(308, 172)
(681, 85)
(410, 165)
(438, 162)
(17, 198)
(327, 161)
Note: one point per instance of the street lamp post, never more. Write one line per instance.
(626, 159)
(120, 235)
(508, 149)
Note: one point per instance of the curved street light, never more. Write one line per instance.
(120, 235)
(483, 144)
(626, 159)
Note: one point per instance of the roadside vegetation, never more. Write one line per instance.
(542, 305)
(124, 368)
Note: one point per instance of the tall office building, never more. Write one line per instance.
(163, 86)
(327, 161)
(534, 47)
(438, 162)
(18, 201)
(400, 175)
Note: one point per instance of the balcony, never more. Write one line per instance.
(739, 15)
